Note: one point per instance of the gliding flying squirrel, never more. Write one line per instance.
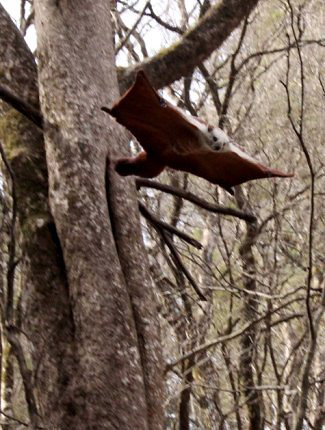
(171, 138)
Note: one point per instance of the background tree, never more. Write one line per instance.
(80, 314)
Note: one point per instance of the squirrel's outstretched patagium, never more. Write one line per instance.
(172, 138)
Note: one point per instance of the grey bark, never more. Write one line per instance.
(45, 296)
(77, 76)
(248, 340)
(48, 308)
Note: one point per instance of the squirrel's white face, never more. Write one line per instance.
(213, 137)
(216, 138)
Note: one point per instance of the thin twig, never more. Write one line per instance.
(286, 48)
(131, 30)
(180, 264)
(305, 383)
(10, 417)
(285, 388)
(232, 76)
(21, 106)
(10, 331)
(208, 345)
(26, 374)
(141, 182)
(227, 337)
(213, 87)
(177, 260)
(299, 131)
(171, 229)
(12, 262)
(164, 24)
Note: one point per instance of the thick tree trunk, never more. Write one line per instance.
(46, 314)
(112, 371)
(54, 316)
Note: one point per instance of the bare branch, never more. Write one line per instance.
(232, 76)
(25, 22)
(180, 264)
(304, 388)
(164, 225)
(164, 24)
(141, 182)
(213, 87)
(132, 29)
(299, 131)
(10, 417)
(21, 106)
(228, 337)
(12, 263)
(279, 50)
(195, 46)
(26, 374)
(10, 331)
(178, 260)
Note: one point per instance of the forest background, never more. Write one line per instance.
(100, 322)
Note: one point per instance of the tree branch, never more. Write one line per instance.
(10, 417)
(164, 24)
(178, 261)
(180, 264)
(227, 337)
(141, 182)
(8, 316)
(132, 29)
(21, 106)
(232, 76)
(195, 46)
(26, 374)
(12, 262)
(299, 131)
(164, 225)
(21, 77)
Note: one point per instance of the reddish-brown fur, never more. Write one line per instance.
(169, 138)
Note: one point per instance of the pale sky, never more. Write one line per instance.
(13, 8)
(155, 37)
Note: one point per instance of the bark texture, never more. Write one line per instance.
(195, 46)
(105, 390)
(109, 334)
(248, 340)
(51, 317)
(134, 262)
(46, 314)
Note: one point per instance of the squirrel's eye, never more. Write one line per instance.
(210, 128)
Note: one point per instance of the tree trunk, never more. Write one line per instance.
(88, 298)
(45, 300)
(112, 370)
(248, 341)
